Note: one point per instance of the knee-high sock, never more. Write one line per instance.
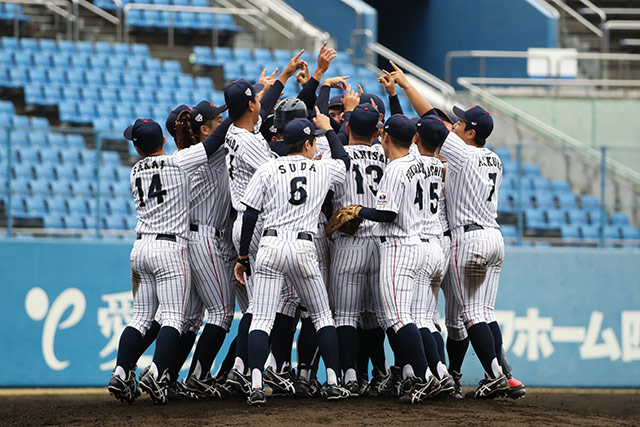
(280, 339)
(393, 343)
(497, 340)
(208, 346)
(456, 351)
(166, 345)
(376, 349)
(483, 344)
(431, 351)
(227, 363)
(412, 349)
(242, 338)
(147, 339)
(348, 338)
(440, 344)
(128, 348)
(307, 344)
(328, 344)
(182, 352)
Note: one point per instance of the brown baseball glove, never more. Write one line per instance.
(345, 220)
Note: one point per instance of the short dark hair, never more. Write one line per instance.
(428, 145)
(479, 141)
(236, 113)
(398, 142)
(296, 147)
(362, 137)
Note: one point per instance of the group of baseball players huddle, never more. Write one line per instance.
(323, 210)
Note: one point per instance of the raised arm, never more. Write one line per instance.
(337, 150)
(419, 103)
(390, 87)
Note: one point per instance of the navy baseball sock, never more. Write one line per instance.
(362, 352)
(307, 344)
(440, 343)
(412, 349)
(128, 347)
(376, 349)
(482, 342)
(208, 346)
(497, 339)
(349, 345)
(506, 368)
(281, 339)
(328, 343)
(242, 338)
(258, 347)
(227, 363)
(168, 339)
(147, 339)
(184, 348)
(430, 351)
(393, 343)
(456, 351)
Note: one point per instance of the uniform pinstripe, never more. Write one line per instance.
(290, 191)
(160, 269)
(473, 180)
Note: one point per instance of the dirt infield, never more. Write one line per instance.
(540, 407)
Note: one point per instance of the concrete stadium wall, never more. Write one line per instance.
(570, 317)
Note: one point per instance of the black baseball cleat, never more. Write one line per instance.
(447, 386)
(381, 384)
(124, 390)
(353, 388)
(419, 390)
(363, 384)
(334, 392)
(316, 387)
(178, 391)
(282, 383)
(157, 390)
(256, 397)
(303, 388)
(205, 388)
(457, 392)
(239, 382)
(490, 388)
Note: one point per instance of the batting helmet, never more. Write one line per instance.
(287, 110)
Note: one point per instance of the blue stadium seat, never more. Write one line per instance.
(222, 55)
(611, 232)
(70, 155)
(94, 78)
(590, 231)
(532, 169)
(66, 172)
(541, 184)
(76, 78)
(570, 231)
(37, 76)
(40, 187)
(34, 205)
(123, 49)
(589, 202)
(204, 84)
(203, 56)
(555, 218)
(78, 205)
(171, 67)
(629, 232)
(33, 95)
(23, 171)
(263, 56)
(22, 59)
(534, 218)
(103, 48)
(9, 43)
(595, 215)
(6, 108)
(74, 140)
(127, 96)
(89, 222)
(122, 188)
(114, 222)
(42, 61)
(140, 50)
(113, 80)
(509, 231)
(52, 221)
(233, 71)
(46, 171)
(60, 62)
(167, 81)
(543, 199)
(81, 188)
(502, 152)
(49, 155)
(26, 155)
(504, 201)
(567, 200)
(85, 172)
(73, 221)
(145, 96)
(61, 186)
(185, 81)
(98, 62)
(121, 206)
(619, 218)
(577, 216)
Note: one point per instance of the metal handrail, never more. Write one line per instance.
(616, 26)
(100, 12)
(552, 82)
(581, 19)
(446, 89)
(52, 5)
(596, 10)
(581, 150)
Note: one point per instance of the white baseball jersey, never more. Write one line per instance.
(160, 187)
(405, 191)
(474, 176)
(361, 186)
(209, 199)
(247, 152)
(442, 207)
(434, 171)
(290, 190)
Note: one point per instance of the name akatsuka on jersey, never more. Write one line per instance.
(490, 161)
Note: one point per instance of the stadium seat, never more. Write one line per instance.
(114, 222)
(619, 218)
(590, 231)
(60, 187)
(589, 202)
(577, 216)
(45, 171)
(120, 206)
(49, 155)
(567, 200)
(39, 187)
(65, 171)
(34, 205)
(611, 232)
(535, 218)
(555, 218)
(73, 221)
(570, 231)
(543, 199)
(629, 232)
(509, 231)
(78, 205)
(81, 188)
(52, 221)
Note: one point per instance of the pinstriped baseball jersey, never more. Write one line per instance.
(160, 187)
(247, 152)
(474, 176)
(405, 191)
(361, 186)
(434, 172)
(290, 190)
(209, 199)
(442, 207)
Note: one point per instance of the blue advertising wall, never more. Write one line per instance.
(570, 317)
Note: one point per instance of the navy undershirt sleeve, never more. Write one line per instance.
(249, 219)
(376, 215)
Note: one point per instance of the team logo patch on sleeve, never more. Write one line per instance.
(383, 198)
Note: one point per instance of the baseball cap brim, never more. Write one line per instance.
(219, 110)
(459, 113)
(128, 133)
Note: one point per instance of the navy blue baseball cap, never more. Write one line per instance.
(432, 130)
(400, 127)
(238, 94)
(204, 111)
(364, 120)
(146, 134)
(173, 116)
(299, 130)
(444, 116)
(367, 97)
(336, 101)
(477, 118)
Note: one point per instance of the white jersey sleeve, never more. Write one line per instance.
(455, 151)
(190, 159)
(255, 192)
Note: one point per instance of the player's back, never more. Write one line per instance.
(247, 152)
(434, 172)
(160, 188)
(474, 175)
(361, 186)
(295, 188)
(209, 199)
(404, 190)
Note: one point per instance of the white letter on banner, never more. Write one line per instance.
(37, 306)
(630, 336)
(609, 348)
(533, 335)
(112, 320)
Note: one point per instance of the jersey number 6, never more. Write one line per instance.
(298, 192)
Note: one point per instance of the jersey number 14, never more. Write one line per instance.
(155, 190)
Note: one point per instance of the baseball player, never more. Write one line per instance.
(355, 260)
(248, 150)
(400, 211)
(297, 187)
(160, 270)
